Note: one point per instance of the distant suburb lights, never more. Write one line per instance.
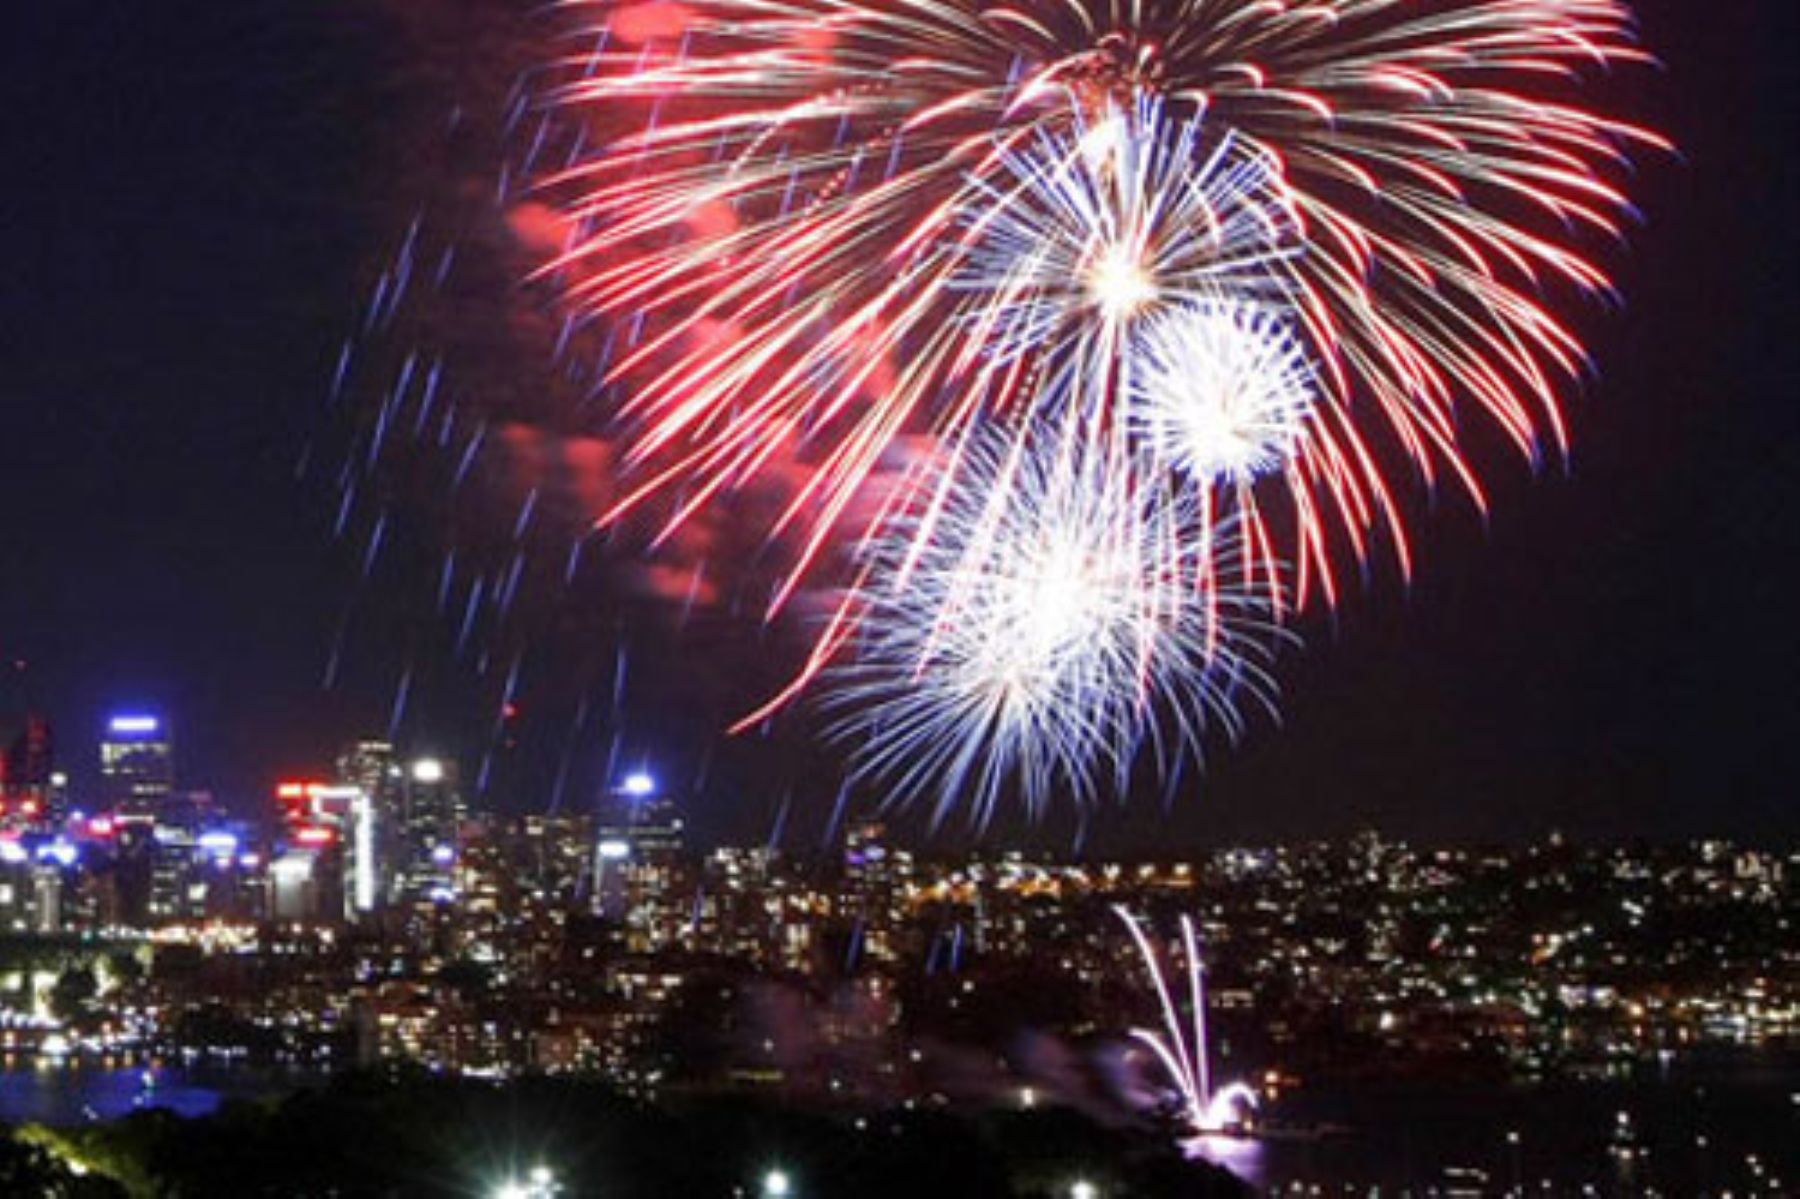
(1082, 346)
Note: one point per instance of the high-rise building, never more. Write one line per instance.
(876, 875)
(137, 765)
(177, 887)
(424, 819)
(27, 781)
(553, 857)
(638, 850)
(373, 765)
(334, 829)
(639, 812)
(294, 891)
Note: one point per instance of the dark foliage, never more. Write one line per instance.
(409, 1134)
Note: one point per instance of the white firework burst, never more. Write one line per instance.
(1221, 391)
(1084, 235)
(1037, 623)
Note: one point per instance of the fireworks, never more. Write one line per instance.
(1083, 238)
(1037, 627)
(1167, 289)
(812, 176)
(1182, 1051)
(1221, 394)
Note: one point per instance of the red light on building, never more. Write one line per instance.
(313, 834)
(291, 791)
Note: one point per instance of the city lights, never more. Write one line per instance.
(540, 1183)
(576, 936)
(133, 725)
(796, 599)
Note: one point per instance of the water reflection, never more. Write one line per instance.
(63, 1093)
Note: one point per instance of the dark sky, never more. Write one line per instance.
(196, 193)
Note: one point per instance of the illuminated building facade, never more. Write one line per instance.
(28, 784)
(425, 815)
(877, 876)
(640, 845)
(177, 883)
(137, 765)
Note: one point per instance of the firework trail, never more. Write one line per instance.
(460, 441)
(1182, 1049)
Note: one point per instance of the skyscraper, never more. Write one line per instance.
(26, 779)
(638, 850)
(372, 768)
(372, 765)
(137, 764)
(426, 816)
(177, 880)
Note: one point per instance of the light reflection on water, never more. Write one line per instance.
(77, 1093)
(1711, 1123)
(1243, 1156)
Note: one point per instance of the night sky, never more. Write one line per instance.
(198, 193)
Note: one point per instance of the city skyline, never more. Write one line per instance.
(854, 598)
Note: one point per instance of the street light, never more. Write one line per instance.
(540, 1183)
(1081, 1188)
(777, 1185)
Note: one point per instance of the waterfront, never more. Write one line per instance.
(76, 1092)
(1723, 1122)
(1700, 1126)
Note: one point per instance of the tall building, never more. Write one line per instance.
(372, 768)
(638, 849)
(177, 881)
(26, 757)
(330, 838)
(876, 876)
(644, 816)
(372, 765)
(137, 765)
(423, 834)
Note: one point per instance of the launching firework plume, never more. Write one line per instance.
(1039, 624)
(787, 200)
(1181, 1047)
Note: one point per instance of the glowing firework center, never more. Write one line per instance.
(1222, 392)
(1040, 631)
